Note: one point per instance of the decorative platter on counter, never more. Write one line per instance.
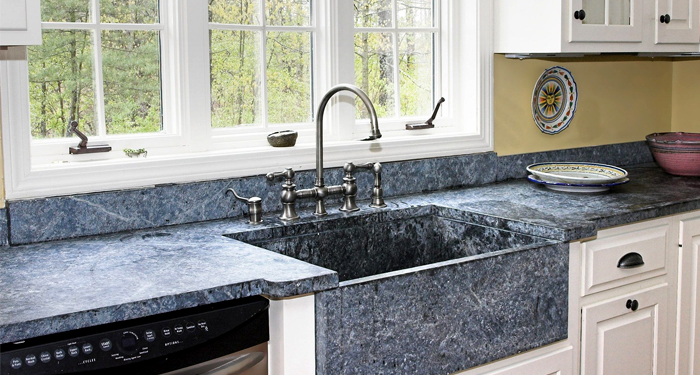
(577, 188)
(554, 100)
(577, 173)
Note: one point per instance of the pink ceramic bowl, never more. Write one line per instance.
(677, 153)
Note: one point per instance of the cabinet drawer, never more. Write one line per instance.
(602, 256)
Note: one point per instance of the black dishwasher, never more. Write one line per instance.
(199, 340)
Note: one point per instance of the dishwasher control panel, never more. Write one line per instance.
(160, 338)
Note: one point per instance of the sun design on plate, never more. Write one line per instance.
(554, 100)
(550, 99)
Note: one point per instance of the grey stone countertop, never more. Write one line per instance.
(58, 286)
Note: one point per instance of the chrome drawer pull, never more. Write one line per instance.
(630, 260)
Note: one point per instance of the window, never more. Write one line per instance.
(200, 85)
(99, 64)
(388, 32)
(261, 62)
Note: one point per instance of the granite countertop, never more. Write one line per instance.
(58, 286)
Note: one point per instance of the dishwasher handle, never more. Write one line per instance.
(237, 365)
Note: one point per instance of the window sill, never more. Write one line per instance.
(115, 174)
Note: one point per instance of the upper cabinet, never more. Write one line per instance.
(596, 26)
(605, 21)
(677, 21)
(20, 22)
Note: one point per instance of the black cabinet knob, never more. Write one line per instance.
(632, 304)
(665, 18)
(580, 14)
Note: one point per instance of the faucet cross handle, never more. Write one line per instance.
(254, 206)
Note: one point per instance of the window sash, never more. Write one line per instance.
(397, 121)
(210, 156)
(263, 29)
(95, 27)
(174, 136)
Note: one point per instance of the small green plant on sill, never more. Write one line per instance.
(131, 152)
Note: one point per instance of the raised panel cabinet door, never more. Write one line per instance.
(677, 21)
(688, 334)
(605, 20)
(20, 22)
(626, 335)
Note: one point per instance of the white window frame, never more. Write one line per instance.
(396, 123)
(171, 139)
(468, 62)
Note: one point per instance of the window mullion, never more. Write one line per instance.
(340, 33)
(395, 49)
(263, 66)
(193, 51)
(98, 72)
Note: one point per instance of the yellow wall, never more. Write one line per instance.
(686, 96)
(621, 99)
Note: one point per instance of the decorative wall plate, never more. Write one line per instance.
(577, 173)
(554, 100)
(577, 188)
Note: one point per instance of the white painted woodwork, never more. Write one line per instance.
(292, 347)
(546, 362)
(549, 27)
(617, 341)
(20, 22)
(688, 334)
(685, 20)
(605, 28)
(174, 158)
(601, 256)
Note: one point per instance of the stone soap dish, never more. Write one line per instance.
(284, 138)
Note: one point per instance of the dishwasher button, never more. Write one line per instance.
(179, 329)
(73, 351)
(59, 354)
(15, 363)
(149, 335)
(87, 348)
(202, 325)
(106, 345)
(45, 357)
(190, 327)
(30, 360)
(167, 332)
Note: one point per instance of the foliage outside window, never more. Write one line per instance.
(391, 31)
(199, 84)
(99, 64)
(261, 62)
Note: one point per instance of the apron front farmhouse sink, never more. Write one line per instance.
(422, 291)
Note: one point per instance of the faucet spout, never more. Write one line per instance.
(376, 134)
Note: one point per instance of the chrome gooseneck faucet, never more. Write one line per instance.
(320, 187)
(320, 191)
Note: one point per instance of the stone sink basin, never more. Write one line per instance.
(380, 242)
(424, 291)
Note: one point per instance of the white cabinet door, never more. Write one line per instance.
(606, 20)
(688, 333)
(626, 335)
(20, 22)
(677, 21)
